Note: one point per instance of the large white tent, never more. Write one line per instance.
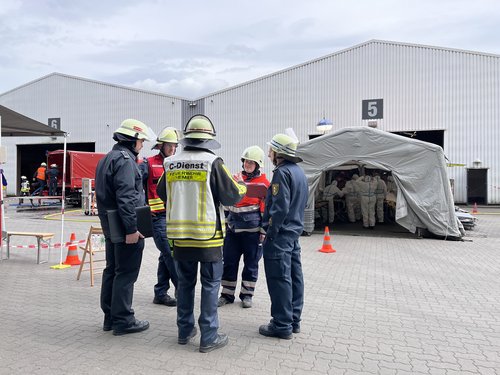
(424, 198)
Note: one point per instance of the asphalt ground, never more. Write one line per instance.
(383, 303)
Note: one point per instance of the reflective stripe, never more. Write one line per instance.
(248, 284)
(228, 291)
(228, 283)
(249, 230)
(156, 204)
(237, 210)
(199, 244)
(247, 291)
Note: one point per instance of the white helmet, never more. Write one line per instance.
(285, 146)
(23, 178)
(254, 153)
(43, 164)
(136, 129)
(168, 135)
(199, 127)
(53, 166)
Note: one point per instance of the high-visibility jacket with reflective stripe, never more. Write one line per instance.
(155, 170)
(191, 212)
(245, 216)
(40, 173)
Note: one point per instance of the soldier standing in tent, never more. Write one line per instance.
(329, 194)
(380, 194)
(351, 195)
(367, 187)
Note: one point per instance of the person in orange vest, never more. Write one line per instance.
(244, 222)
(152, 170)
(40, 176)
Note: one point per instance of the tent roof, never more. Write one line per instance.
(15, 124)
(419, 170)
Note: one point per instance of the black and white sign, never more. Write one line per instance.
(373, 109)
(55, 123)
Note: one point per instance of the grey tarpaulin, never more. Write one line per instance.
(424, 198)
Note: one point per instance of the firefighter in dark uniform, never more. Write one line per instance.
(152, 170)
(52, 175)
(198, 184)
(244, 221)
(283, 223)
(118, 185)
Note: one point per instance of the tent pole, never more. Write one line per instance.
(63, 196)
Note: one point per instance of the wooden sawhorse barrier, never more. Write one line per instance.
(89, 250)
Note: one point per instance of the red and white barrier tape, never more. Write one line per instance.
(44, 245)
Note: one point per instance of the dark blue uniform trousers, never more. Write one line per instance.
(211, 273)
(235, 245)
(122, 269)
(285, 281)
(166, 267)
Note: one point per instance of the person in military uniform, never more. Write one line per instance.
(198, 184)
(152, 170)
(118, 185)
(283, 224)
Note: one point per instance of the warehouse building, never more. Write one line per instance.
(444, 96)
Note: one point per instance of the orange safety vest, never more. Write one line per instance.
(40, 173)
(155, 171)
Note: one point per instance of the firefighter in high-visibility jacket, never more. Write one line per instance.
(197, 185)
(40, 176)
(25, 188)
(152, 170)
(244, 221)
(284, 222)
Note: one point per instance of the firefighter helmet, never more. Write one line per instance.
(285, 146)
(136, 130)
(199, 127)
(168, 135)
(254, 153)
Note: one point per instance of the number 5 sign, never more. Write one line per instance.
(373, 109)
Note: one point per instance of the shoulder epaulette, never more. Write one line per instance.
(125, 154)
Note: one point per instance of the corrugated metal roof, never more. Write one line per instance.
(93, 81)
(343, 51)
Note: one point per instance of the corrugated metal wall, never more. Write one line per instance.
(423, 88)
(90, 111)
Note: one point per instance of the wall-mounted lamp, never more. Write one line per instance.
(324, 125)
(192, 104)
(477, 163)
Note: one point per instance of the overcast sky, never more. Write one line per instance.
(192, 48)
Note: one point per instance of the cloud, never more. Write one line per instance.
(196, 49)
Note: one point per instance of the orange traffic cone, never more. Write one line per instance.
(327, 246)
(72, 257)
(474, 209)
